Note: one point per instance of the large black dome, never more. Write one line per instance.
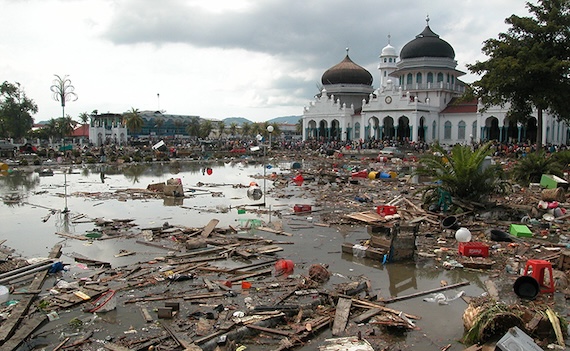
(427, 44)
(346, 72)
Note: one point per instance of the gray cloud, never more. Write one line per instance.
(309, 34)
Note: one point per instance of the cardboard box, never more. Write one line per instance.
(474, 249)
(520, 230)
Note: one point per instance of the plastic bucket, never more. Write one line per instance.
(526, 287)
(284, 267)
(450, 222)
(373, 175)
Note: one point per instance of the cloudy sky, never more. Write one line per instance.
(257, 59)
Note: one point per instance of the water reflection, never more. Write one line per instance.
(63, 224)
(402, 277)
(18, 180)
(134, 172)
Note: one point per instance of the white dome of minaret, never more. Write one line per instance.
(387, 63)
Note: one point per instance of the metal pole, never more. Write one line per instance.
(264, 180)
(65, 190)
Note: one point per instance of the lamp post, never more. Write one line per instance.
(270, 130)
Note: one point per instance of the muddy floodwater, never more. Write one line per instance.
(30, 227)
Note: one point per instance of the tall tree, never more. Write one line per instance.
(65, 126)
(84, 117)
(193, 128)
(16, 111)
(233, 128)
(133, 120)
(221, 128)
(245, 129)
(528, 66)
(158, 123)
(206, 128)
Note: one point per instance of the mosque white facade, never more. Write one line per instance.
(417, 101)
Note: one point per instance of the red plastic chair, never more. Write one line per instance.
(541, 270)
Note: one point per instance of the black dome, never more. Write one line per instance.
(346, 72)
(427, 44)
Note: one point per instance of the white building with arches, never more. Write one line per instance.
(417, 101)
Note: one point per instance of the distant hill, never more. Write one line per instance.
(237, 120)
(286, 120)
(280, 120)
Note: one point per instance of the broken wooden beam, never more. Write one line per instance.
(341, 315)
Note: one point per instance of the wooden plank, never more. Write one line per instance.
(341, 315)
(426, 292)
(363, 317)
(146, 315)
(25, 329)
(251, 275)
(492, 290)
(269, 230)
(11, 323)
(209, 228)
(114, 347)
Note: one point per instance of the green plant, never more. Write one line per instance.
(464, 173)
(530, 168)
(23, 162)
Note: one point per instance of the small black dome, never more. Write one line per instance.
(346, 72)
(427, 44)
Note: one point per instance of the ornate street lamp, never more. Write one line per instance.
(63, 91)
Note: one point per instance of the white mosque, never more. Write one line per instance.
(417, 101)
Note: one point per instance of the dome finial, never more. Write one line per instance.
(389, 36)
(347, 51)
(427, 20)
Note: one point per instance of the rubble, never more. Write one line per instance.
(214, 286)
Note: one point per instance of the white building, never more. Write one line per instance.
(107, 128)
(416, 101)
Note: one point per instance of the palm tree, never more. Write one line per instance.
(178, 124)
(233, 128)
(65, 126)
(299, 126)
(51, 129)
(221, 128)
(245, 129)
(84, 117)
(462, 173)
(159, 122)
(206, 128)
(256, 129)
(133, 120)
(530, 168)
(193, 128)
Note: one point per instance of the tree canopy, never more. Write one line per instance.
(16, 111)
(528, 66)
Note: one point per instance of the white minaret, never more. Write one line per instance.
(387, 63)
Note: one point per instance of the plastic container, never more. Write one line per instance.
(474, 249)
(450, 222)
(245, 285)
(4, 293)
(302, 208)
(463, 235)
(526, 287)
(284, 267)
(385, 210)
